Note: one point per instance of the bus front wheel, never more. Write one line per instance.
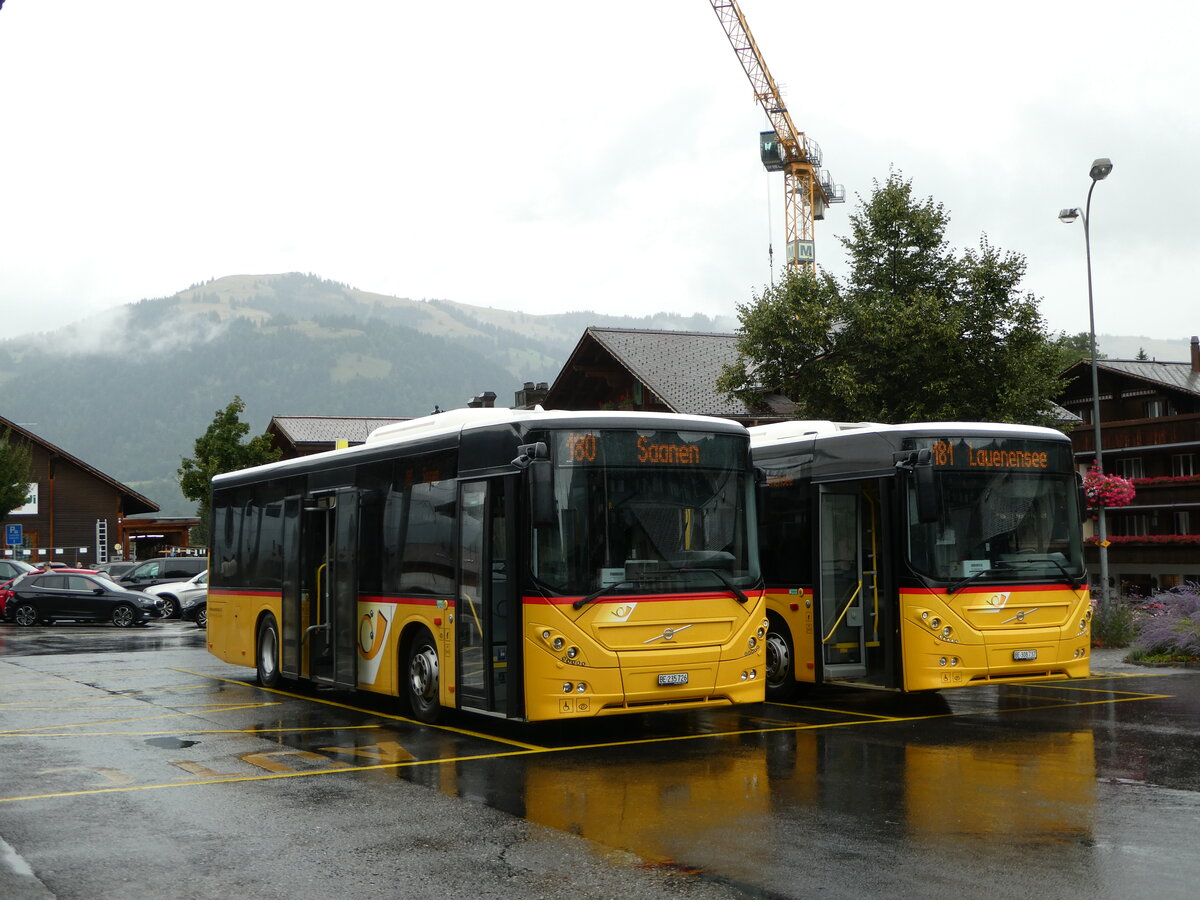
(781, 672)
(267, 653)
(421, 678)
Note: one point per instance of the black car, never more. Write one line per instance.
(42, 597)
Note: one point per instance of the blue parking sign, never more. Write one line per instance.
(13, 535)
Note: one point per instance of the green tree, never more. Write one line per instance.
(917, 332)
(16, 472)
(220, 449)
(1072, 348)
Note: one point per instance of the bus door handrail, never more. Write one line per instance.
(842, 615)
(320, 626)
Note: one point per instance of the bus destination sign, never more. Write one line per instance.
(636, 449)
(998, 453)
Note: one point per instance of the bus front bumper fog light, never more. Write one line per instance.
(942, 661)
(581, 688)
(568, 687)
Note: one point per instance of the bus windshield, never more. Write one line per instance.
(647, 511)
(998, 524)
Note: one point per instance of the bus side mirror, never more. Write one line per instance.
(929, 500)
(1083, 500)
(541, 492)
(535, 460)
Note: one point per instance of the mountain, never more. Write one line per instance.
(129, 391)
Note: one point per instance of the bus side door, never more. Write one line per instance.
(488, 621)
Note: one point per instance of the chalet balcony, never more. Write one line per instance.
(1152, 435)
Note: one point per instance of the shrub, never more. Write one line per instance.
(1170, 624)
(1113, 624)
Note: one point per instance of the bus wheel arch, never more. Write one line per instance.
(420, 674)
(781, 660)
(266, 651)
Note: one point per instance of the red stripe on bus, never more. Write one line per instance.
(536, 600)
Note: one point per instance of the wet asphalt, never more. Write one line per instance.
(136, 764)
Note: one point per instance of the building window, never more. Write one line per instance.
(1131, 526)
(1183, 464)
(1131, 467)
(1183, 522)
(1156, 409)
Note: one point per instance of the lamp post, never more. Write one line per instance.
(1099, 171)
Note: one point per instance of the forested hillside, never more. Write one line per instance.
(129, 391)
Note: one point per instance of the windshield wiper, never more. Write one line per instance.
(607, 589)
(959, 585)
(724, 579)
(1073, 580)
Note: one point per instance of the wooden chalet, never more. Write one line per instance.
(657, 371)
(1149, 433)
(304, 435)
(75, 512)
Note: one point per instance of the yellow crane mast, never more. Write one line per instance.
(807, 188)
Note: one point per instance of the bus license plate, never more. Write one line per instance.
(673, 678)
(1024, 654)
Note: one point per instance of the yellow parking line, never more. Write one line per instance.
(371, 712)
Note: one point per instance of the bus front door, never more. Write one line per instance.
(487, 611)
(850, 582)
(325, 621)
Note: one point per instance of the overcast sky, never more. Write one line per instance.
(556, 155)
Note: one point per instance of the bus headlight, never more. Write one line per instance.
(572, 652)
(947, 631)
(753, 642)
(934, 623)
(559, 643)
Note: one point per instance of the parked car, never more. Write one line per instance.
(115, 570)
(11, 568)
(178, 593)
(43, 597)
(161, 570)
(195, 606)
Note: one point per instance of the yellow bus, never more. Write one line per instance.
(923, 556)
(523, 564)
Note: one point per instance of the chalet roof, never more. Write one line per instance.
(681, 368)
(135, 503)
(1177, 376)
(301, 430)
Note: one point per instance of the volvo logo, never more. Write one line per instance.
(667, 634)
(1020, 617)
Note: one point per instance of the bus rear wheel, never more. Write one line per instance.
(421, 671)
(267, 653)
(781, 672)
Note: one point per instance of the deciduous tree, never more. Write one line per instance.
(218, 450)
(15, 473)
(917, 332)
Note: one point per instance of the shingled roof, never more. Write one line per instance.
(323, 432)
(680, 368)
(1178, 376)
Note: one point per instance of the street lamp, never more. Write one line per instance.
(1099, 171)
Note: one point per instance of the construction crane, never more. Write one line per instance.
(807, 187)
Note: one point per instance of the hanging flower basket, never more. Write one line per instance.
(1107, 490)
